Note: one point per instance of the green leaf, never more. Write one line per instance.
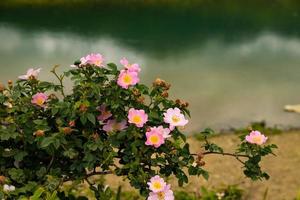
(91, 118)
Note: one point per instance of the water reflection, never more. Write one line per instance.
(226, 83)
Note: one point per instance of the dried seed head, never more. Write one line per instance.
(39, 133)
(165, 94)
(2, 87)
(2, 179)
(83, 108)
(66, 130)
(140, 99)
(136, 92)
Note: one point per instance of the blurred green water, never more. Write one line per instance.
(234, 63)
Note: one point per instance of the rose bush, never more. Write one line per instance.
(108, 123)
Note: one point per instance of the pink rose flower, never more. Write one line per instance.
(156, 136)
(130, 67)
(156, 184)
(113, 125)
(127, 78)
(166, 194)
(154, 139)
(137, 117)
(31, 74)
(39, 99)
(175, 118)
(255, 137)
(93, 59)
(105, 114)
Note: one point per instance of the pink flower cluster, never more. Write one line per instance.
(160, 190)
(129, 75)
(92, 59)
(255, 137)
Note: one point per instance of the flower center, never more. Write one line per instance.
(40, 101)
(175, 119)
(157, 185)
(98, 62)
(137, 119)
(257, 139)
(154, 139)
(127, 79)
(161, 195)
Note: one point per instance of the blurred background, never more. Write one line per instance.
(234, 61)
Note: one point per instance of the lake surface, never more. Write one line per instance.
(232, 69)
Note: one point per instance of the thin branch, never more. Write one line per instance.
(60, 78)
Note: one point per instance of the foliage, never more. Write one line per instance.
(46, 140)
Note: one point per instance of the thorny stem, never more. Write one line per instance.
(237, 156)
(60, 78)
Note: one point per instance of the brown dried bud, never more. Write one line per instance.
(66, 130)
(157, 82)
(52, 96)
(72, 123)
(2, 87)
(148, 129)
(165, 94)
(140, 99)
(39, 133)
(136, 92)
(178, 101)
(10, 83)
(201, 163)
(2, 179)
(95, 136)
(167, 86)
(200, 156)
(83, 108)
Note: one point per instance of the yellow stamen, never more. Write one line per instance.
(154, 139)
(137, 119)
(127, 79)
(157, 185)
(175, 119)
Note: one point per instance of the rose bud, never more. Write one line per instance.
(141, 99)
(52, 97)
(72, 123)
(83, 108)
(2, 179)
(39, 133)
(10, 83)
(201, 163)
(66, 130)
(165, 94)
(136, 92)
(2, 87)
(95, 136)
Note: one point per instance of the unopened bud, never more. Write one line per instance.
(52, 96)
(72, 123)
(2, 179)
(39, 133)
(201, 163)
(83, 108)
(95, 136)
(2, 87)
(165, 94)
(66, 130)
(141, 99)
(10, 83)
(136, 92)
(148, 129)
